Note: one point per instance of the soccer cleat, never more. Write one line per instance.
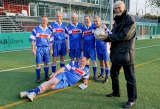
(23, 94)
(47, 78)
(105, 80)
(38, 81)
(83, 86)
(101, 76)
(31, 96)
(112, 95)
(129, 104)
(95, 78)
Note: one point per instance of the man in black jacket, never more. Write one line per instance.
(123, 53)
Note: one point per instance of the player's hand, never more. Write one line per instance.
(34, 51)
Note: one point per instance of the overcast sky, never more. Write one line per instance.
(141, 8)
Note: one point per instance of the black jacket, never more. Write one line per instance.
(123, 40)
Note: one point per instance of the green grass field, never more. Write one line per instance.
(147, 68)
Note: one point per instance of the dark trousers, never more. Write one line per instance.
(130, 78)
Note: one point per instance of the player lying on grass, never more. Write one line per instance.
(64, 77)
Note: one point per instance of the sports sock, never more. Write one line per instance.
(102, 71)
(46, 70)
(36, 90)
(107, 70)
(94, 71)
(53, 68)
(38, 70)
(62, 64)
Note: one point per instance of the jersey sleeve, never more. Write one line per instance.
(51, 39)
(86, 75)
(33, 35)
(68, 66)
(108, 31)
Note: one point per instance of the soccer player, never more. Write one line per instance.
(89, 50)
(64, 77)
(75, 37)
(59, 43)
(102, 52)
(40, 38)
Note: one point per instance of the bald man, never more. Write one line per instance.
(123, 53)
(75, 36)
(59, 43)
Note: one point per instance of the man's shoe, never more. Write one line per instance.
(113, 95)
(47, 78)
(105, 80)
(129, 104)
(31, 96)
(95, 78)
(23, 94)
(101, 76)
(38, 81)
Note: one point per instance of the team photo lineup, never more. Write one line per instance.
(84, 43)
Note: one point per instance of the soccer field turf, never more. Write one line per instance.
(17, 74)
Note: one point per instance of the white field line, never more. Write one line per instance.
(30, 49)
(59, 61)
(24, 67)
(13, 50)
(147, 47)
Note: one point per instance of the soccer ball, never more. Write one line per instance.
(100, 33)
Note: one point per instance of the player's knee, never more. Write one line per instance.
(62, 58)
(38, 65)
(107, 64)
(94, 63)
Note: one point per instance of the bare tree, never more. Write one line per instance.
(154, 3)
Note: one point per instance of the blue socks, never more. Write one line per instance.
(62, 64)
(107, 70)
(53, 68)
(46, 70)
(36, 90)
(38, 70)
(102, 71)
(94, 71)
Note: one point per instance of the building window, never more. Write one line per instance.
(1, 3)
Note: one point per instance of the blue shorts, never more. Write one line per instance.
(59, 48)
(75, 53)
(42, 55)
(102, 53)
(90, 53)
(62, 81)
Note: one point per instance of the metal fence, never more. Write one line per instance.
(147, 30)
